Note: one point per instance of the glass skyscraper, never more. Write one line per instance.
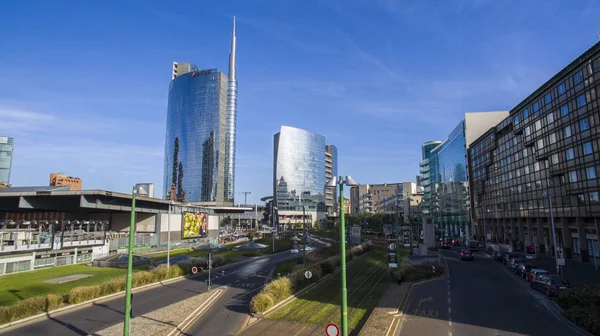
(200, 138)
(299, 170)
(6, 151)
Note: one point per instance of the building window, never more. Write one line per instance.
(516, 120)
(577, 77)
(550, 118)
(516, 156)
(573, 176)
(552, 138)
(570, 153)
(564, 110)
(540, 143)
(587, 148)
(581, 199)
(536, 106)
(518, 172)
(594, 197)
(581, 101)
(596, 65)
(590, 173)
(538, 125)
(584, 124)
(525, 152)
(567, 132)
(562, 88)
(525, 114)
(554, 158)
(526, 169)
(527, 130)
(547, 98)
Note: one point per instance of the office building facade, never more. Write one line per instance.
(543, 162)
(447, 198)
(299, 170)
(7, 145)
(331, 170)
(199, 163)
(427, 173)
(386, 197)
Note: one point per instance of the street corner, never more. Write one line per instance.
(427, 310)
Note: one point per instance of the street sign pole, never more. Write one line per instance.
(209, 268)
(128, 295)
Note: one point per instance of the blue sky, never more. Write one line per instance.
(83, 84)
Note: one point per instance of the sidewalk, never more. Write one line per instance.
(578, 273)
(386, 312)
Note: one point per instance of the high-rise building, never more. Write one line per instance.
(386, 197)
(299, 174)
(200, 134)
(542, 163)
(331, 170)
(447, 198)
(62, 179)
(427, 173)
(6, 152)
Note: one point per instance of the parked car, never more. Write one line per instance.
(455, 242)
(550, 284)
(508, 257)
(523, 268)
(445, 245)
(513, 263)
(294, 250)
(535, 272)
(466, 254)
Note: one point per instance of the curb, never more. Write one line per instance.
(135, 289)
(398, 315)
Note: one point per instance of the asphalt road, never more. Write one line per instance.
(479, 298)
(88, 320)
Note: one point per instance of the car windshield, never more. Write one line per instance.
(558, 281)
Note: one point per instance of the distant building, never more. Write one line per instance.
(61, 179)
(331, 170)
(387, 197)
(347, 206)
(181, 68)
(6, 154)
(145, 189)
(299, 175)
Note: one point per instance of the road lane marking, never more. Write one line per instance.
(180, 329)
(448, 298)
(427, 299)
(449, 310)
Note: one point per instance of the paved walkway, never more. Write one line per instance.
(380, 319)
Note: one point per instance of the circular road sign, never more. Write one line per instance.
(308, 274)
(332, 330)
(194, 269)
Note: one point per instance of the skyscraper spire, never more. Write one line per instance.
(232, 54)
(230, 124)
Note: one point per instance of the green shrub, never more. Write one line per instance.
(199, 262)
(113, 286)
(53, 302)
(357, 250)
(421, 272)
(163, 273)
(24, 308)
(82, 294)
(261, 303)
(583, 296)
(584, 317)
(279, 289)
(327, 266)
(218, 260)
(298, 278)
(142, 278)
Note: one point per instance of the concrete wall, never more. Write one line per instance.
(477, 123)
(144, 222)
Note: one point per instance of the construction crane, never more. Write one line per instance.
(246, 193)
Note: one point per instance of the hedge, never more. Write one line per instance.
(582, 306)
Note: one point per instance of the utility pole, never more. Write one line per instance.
(246, 193)
(128, 295)
(169, 236)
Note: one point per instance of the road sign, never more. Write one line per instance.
(561, 262)
(332, 330)
(392, 260)
(308, 274)
(194, 270)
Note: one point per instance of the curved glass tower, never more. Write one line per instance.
(200, 138)
(299, 170)
(195, 139)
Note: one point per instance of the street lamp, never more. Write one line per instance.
(343, 291)
(482, 204)
(169, 236)
(549, 194)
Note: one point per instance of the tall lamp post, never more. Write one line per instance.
(169, 236)
(547, 193)
(343, 291)
(398, 271)
(128, 295)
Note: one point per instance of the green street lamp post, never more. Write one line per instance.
(343, 290)
(398, 271)
(126, 325)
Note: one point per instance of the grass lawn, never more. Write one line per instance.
(321, 304)
(15, 287)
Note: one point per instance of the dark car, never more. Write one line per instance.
(508, 258)
(523, 268)
(466, 254)
(498, 256)
(550, 284)
(445, 245)
(456, 242)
